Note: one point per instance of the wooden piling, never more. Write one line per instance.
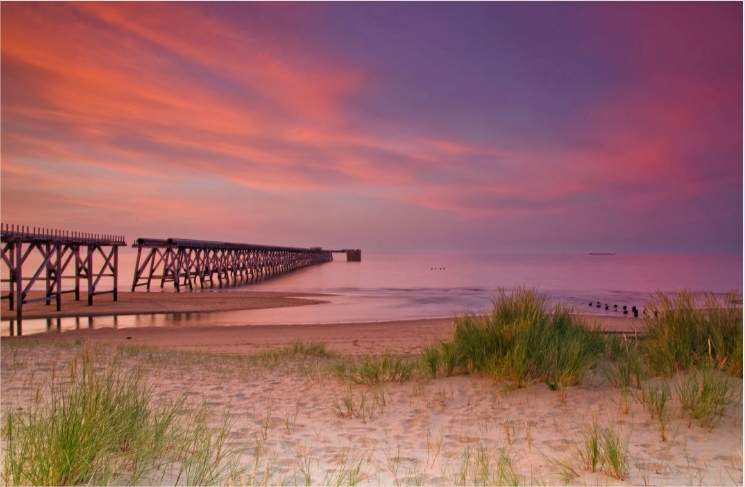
(57, 249)
(186, 263)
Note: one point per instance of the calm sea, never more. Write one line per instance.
(393, 287)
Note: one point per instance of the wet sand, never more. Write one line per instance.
(129, 303)
(410, 336)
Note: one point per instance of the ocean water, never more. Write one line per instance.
(384, 287)
(399, 287)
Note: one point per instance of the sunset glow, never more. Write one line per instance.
(391, 127)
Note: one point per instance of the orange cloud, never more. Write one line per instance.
(122, 111)
(118, 90)
(313, 92)
(164, 98)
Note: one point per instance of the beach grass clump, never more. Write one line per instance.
(486, 466)
(525, 338)
(101, 426)
(376, 369)
(312, 349)
(352, 406)
(694, 329)
(615, 454)
(603, 449)
(296, 349)
(655, 396)
(442, 358)
(627, 367)
(704, 395)
(432, 359)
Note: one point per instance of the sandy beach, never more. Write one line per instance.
(292, 421)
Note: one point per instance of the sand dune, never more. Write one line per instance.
(292, 423)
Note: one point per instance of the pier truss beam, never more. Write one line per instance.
(188, 263)
(33, 256)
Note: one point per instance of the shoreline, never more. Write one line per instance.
(401, 336)
(134, 303)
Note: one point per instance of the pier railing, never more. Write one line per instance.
(52, 256)
(187, 262)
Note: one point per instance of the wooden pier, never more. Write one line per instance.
(187, 263)
(51, 256)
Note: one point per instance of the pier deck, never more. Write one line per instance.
(187, 263)
(52, 256)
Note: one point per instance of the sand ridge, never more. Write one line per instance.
(129, 303)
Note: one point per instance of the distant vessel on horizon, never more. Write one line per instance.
(602, 253)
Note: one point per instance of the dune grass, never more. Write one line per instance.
(101, 426)
(602, 448)
(627, 367)
(485, 466)
(142, 439)
(654, 398)
(704, 395)
(524, 338)
(694, 329)
(376, 369)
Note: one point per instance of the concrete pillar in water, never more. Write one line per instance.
(354, 255)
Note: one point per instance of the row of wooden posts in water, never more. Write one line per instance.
(32, 256)
(634, 309)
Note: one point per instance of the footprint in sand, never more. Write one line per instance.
(728, 458)
(655, 467)
(435, 481)
(661, 455)
(561, 445)
(273, 422)
(412, 423)
(238, 435)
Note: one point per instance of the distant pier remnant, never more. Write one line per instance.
(45, 255)
(188, 262)
(353, 255)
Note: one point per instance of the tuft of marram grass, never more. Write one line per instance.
(654, 396)
(603, 448)
(627, 367)
(704, 395)
(376, 369)
(432, 358)
(694, 329)
(486, 466)
(525, 338)
(101, 426)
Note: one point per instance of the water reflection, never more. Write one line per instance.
(397, 287)
(352, 306)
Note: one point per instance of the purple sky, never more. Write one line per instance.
(391, 127)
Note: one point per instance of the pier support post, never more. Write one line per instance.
(234, 262)
(55, 250)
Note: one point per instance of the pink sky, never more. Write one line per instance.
(491, 127)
